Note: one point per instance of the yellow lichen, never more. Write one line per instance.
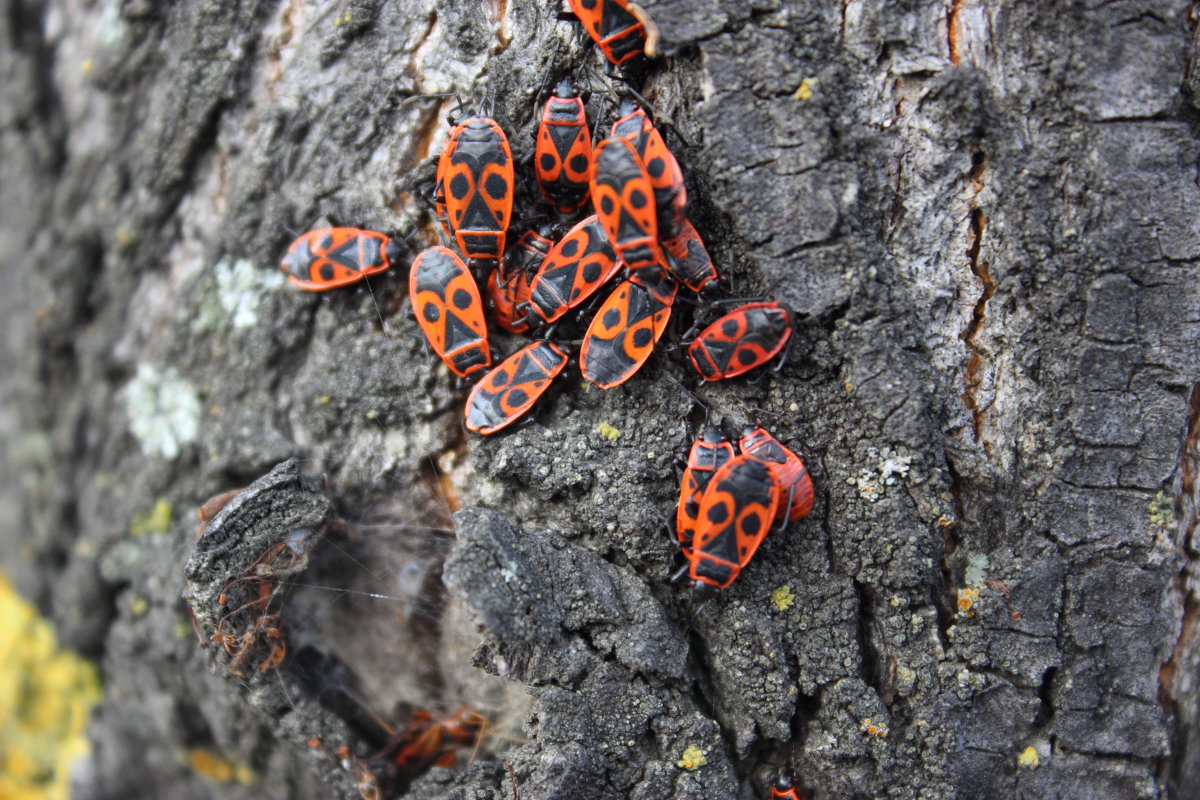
(968, 596)
(157, 520)
(783, 598)
(692, 758)
(1028, 758)
(609, 432)
(46, 698)
(805, 90)
(126, 236)
(877, 729)
(217, 768)
(1162, 509)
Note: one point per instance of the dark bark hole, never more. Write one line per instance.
(945, 601)
(872, 672)
(1046, 709)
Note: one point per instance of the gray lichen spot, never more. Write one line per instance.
(872, 482)
(164, 413)
(111, 28)
(977, 569)
(241, 287)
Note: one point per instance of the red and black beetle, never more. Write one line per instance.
(688, 260)
(624, 200)
(708, 454)
(625, 329)
(666, 178)
(613, 26)
(509, 284)
(513, 386)
(736, 513)
(328, 258)
(784, 789)
(475, 180)
(747, 337)
(449, 310)
(562, 156)
(795, 484)
(572, 271)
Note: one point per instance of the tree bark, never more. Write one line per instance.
(985, 215)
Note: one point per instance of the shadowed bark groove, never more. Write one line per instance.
(985, 216)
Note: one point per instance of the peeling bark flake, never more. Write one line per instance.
(952, 31)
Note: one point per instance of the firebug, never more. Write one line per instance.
(331, 257)
(476, 177)
(508, 292)
(508, 285)
(572, 271)
(624, 200)
(688, 259)
(784, 789)
(747, 337)
(795, 484)
(429, 741)
(530, 249)
(449, 310)
(625, 329)
(666, 178)
(513, 386)
(618, 33)
(708, 454)
(736, 512)
(563, 155)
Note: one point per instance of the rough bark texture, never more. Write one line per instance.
(986, 215)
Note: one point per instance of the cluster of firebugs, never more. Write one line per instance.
(730, 497)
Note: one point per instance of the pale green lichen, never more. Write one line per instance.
(1162, 509)
(164, 413)
(977, 567)
(234, 297)
(157, 520)
(110, 28)
(609, 432)
(890, 469)
(240, 290)
(783, 598)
